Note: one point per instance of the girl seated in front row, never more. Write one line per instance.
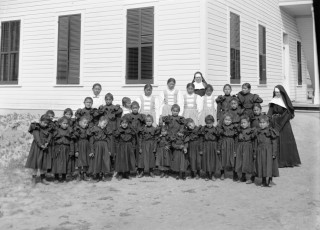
(39, 148)
(100, 138)
(147, 135)
(193, 104)
(266, 152)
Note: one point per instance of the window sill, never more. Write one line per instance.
(137, 85)
(66, 86)
(10, 86)
(262, 85)
(235, 85)
(299, 86)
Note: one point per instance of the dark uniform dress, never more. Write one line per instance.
(236, 115)
(114, 113)
(210, 158)
(255, 121)
(125, 140)
(288, 153)
(247, 101)
(163, 155)
(147, 143)
(82, 146)
(37, 155)
(266, 150)
(244, 152)
(223, 105)
(63, 162)
(174, 124)
(53, 125)
(99, 145)
(227, 144)
(194, 140)
(179, 161)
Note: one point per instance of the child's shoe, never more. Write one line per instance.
(43, 179)
(222, 177)
(235, 176)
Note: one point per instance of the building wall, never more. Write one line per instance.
(103, 53)
(268, 14)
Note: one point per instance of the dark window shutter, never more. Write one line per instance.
(9, 52)
(299, 63)
(262, 55)
(69, 36)
(140, 35)
(235, 49)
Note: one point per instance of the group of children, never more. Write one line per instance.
(183, 135)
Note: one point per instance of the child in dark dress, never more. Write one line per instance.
(174, 122)
(179, 159)
(100, 138)
(147, 147)
(63, 149)
(235, 111)
(68, 113)
(163, 155)
(228, 134)
(39, 148)
(82, 147)
(256, 115)
(195, 146)
(247, 99)
(125, 139)
(244, 158)
(210, 159)
(53, 124)
(87, 111)
(223, 102)
(266, 152)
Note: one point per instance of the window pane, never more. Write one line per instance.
(132, 63)
(14, 67)
(15, 35)
(4, 67)
(146, 62)
(5, 37)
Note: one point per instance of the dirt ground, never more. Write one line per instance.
(154, 203)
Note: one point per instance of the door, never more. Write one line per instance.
(285, 64)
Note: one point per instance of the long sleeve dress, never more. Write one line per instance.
(147, 143)
(63, 155)
(168, 98)
(236, 115)
(163, 155)
(179, 161)
(266, 142)
(228, 136)
(37, 155)
(244, 151)
(126, 143)
(100, 145)
(210, 158)
(90, 113)
(82, 146)
(223, 105)
(195, 146)
(193, 105)
(174, 123)
(255, 121)
(247, 101)
(288, 152)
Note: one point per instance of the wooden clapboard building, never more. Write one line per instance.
(53, 51)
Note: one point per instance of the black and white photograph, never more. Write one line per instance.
(159, 114)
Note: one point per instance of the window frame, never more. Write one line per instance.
(9, 52)
(299, 63)
(139, 46)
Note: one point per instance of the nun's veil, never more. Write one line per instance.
(285, 98)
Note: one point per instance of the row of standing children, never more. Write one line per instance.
(98, 135)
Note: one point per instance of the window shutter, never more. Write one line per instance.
(234, 48)
(262, 55)
(299, 64)
(63, 38)
(74, 49)
(147, 23)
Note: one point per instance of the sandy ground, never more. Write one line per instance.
(147, 203)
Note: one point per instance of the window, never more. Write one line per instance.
(262, 55)
(9, 53)
(69, 35)
(140, 33)
(299, 63)
(234, 48)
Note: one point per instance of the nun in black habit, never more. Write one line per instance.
(281, 112)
